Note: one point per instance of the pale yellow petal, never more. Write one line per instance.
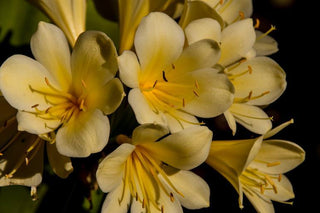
(266, 45)
(237, 40)
(180, 120)
(147, 133)
(261, 204)
(231, 121)
(185, 149)
(84, 134)
(50, 47)
(155, 47)
(129, 68)
(205, 28)
(111, 204)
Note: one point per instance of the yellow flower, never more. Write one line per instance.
(21, 153)
(172, 85)
(69, 15)
(130, 14)
(149, 171)
(255, 167)
(258, 81)
(63, 92)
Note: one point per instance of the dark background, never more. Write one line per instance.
(296, 34)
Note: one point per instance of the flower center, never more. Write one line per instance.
(252, 177)
(63, 105)
(144, 177)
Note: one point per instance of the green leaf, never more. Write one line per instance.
(96, 201)
(17, 199)
(20, 18)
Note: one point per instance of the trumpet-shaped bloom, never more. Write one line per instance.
(149, 171)
(255, 167)
(172, 85)
(69, 94)
(69, 15)
(131, 13)
(258, 81)
(21, 153)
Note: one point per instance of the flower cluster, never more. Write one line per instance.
(180, 63)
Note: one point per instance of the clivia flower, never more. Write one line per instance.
(67, 94)
(256, 166)
(172, 85)
(150, 171)
(258, 81)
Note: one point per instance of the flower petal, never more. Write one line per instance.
(266, 45)
(205, 28)
(50, 47)
(84, 134)
(155, 47)
(93, 60)
(110, 170)
(142, 110)
(129, 68)
(215, 94)
(289, 154)
(111, 204)
(230, 158)
(251, 117)
(201, 54)
(266, 82)
(261, 204)
(33, 124)
(237, 40)
(108, 98)
(185, 149)
(19, 77)
(147, 133)
(231, 121)
(231, 12)
(61, 165)
(195, 190)
(180, 120)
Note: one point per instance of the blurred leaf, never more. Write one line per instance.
(19, 17)
(17, 199)
(96, 201)
(96, 22)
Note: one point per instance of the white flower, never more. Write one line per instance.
(149, 171)
(70, 93)
(172, 85)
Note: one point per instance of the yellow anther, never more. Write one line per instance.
(173, 66)
(27, 161)
(196, 93)
(262, 189)
(279, 177)
(241, 14)
(83, 83)
(196, 84)
(34, 106)
(82, 107)
(271, 183)
(171, 197)
(257, 25)
(154, 84)
(250, 69)
(183, 102)
(164, 76)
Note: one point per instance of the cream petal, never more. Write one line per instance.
(111, 204)
(84, 134)
(33, 124)
(237, 40)
(287, 153)
(155, 47)
(201, 54)
(61, 165)
(195, 190)
(129, 68)
(142, 110)
(19, 77)
(185, 149)
(215, 94)
(108, 98)
(266, 83)
(180, 120)
(261, 204)
(231, 12)
(231, 158)
(231, 121)
(205, 28)
(93, 61)
(110, 170)
(147, 133)
(251, 117)
(50, 47)
(266, 45)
